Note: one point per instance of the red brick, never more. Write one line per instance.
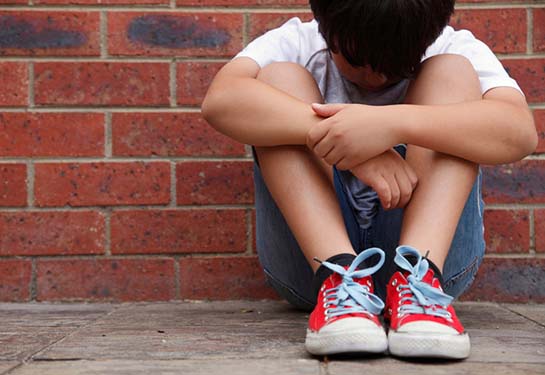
(242, 2)
(52, 233)
(15, 280)
(223, 278)
(507, 231)
(178, 231)
(103, 2)
(520, 182)
(13, 185)
(530, 75)
(98, 83)
(9, 2)
(89, 184)
(51, 134)
(49, 33)
(517, 280)
(539, 30)
(260, 23)
(168, 134)
(539, 118)
(180, 34)
(193, 79)
(539, 226)
(14, 78)
(225, 182)
(106, 279)
(254, 236)
(503, 30)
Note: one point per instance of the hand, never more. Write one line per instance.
(390, 176)
(351, 133)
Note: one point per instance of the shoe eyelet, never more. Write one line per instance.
(368, 283)
(394, 282)
(390, 311)
(398, 288)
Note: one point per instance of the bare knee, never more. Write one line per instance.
(444, 79)
(292, 79)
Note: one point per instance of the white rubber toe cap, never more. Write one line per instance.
(351, 324)
(427, 327)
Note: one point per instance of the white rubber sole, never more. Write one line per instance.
(319, 343)
(429, 345)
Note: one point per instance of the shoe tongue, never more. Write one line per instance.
(428, 277)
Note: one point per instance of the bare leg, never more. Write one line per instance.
(444, 182)
(301, 184)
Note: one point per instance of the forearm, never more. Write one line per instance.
(256, 113)
(483, 131)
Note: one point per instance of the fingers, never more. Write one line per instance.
(395, 192)
(405, 188)
(327, 110)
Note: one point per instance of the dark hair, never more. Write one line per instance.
(389, 35)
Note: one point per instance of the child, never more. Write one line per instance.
(390, 164)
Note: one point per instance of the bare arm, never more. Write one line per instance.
(252, 112)
(495, 130)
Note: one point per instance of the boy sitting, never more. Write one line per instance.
(390, 164)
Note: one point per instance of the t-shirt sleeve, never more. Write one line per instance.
(462, 42)
(278, 45)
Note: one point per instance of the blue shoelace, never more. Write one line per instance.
(349, 296)
(422, 297)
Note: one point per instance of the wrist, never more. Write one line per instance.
(409, 118)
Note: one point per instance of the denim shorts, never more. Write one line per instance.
(289, 273)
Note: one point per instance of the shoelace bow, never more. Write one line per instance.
(423, 298)
(350, 296)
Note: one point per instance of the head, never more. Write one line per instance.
(383, 39)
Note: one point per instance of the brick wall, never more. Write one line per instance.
(112, 187)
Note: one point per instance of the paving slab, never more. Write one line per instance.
(392, 366)
(533, 312)
(28, 327)
(189, 331)
(193, 367)
(7, 365)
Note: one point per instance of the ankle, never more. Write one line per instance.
(322, 273)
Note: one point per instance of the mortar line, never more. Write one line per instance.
(30, 183)
(137, 256)
(52, 109)
(177, 286)
(529, 30)
(108, 135)
(31, 101)
(107, 232)
(103, 34)
(173, 202)
(33, 280)
(114, 58)
(249, 232)
(172, 4)
(245, 29)
(122, 159)
(172, 83)
(123, 208)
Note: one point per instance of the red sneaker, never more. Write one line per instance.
(345, 319)
(422, 320)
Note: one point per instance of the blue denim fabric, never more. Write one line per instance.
(288, 272)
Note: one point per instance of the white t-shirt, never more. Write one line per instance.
(301, 43)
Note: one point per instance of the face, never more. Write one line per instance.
(363, 77)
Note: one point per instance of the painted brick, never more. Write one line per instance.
(49, 33)
(223, 278)
(106, 279)
(13, 185)
(539, 30)
(97, 83)
(51, 134)
(517, 280)
(503, 30)
(507, 231)
(181, 34)
(229, 182)
(530, 75)
(242, 2)
(103, 2)
(520, 182)
(14, 78)
(15, 280)
(178, 231)
(539, 225)
(52, 233)
(539, 118)
(88, 184)
(260, 23)
(193, 80)
(169, 134)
